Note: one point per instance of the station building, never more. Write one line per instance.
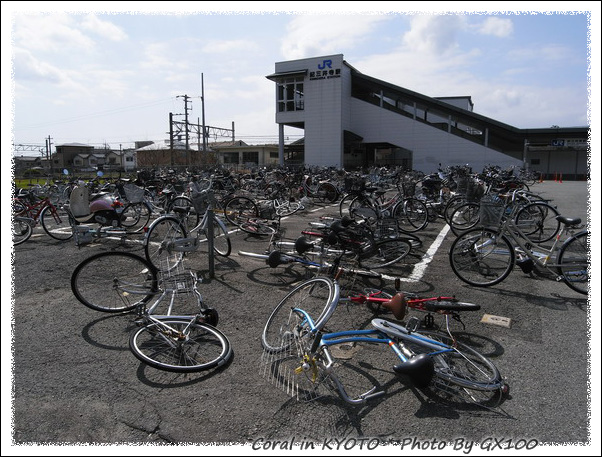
(351, 120)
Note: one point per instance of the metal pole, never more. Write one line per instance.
(210, 230)
(203, 112)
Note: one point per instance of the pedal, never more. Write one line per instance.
(412, 324)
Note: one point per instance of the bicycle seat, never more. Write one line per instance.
(274, 259)
(420, 369)
(397, 305)
(568, 221)
(303, 245)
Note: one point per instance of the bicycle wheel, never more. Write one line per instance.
(257, 227)
(240, 209)
(56, 223)
(345, 203)
(385, 253)
(481, 257)
(464, 217)
(114, 281)
(538, 222)
(221, 238)
(327, 193)
(316, 296)
(183, 208)
(573, 262)
(460, 370)
(22, 230)
(285, 207)
(135, 217)
(180, 345)
(411, 214)
(158, 242)
(452, 204)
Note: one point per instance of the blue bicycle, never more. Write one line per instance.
(299, 351)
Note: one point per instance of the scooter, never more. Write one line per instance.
(103, 209)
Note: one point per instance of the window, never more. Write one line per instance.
(290, 95)
(250, 157)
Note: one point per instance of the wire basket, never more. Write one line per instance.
(387, 228)
(474, 191)
(203, 201)
(285, 370)
(354, 185)
(133, 193)
(491, 212)
(176, 278)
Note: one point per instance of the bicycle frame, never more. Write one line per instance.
(322, 341)
(510, 229)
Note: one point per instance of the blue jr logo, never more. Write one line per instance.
(324, 64)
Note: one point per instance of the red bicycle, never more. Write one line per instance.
(54, 219)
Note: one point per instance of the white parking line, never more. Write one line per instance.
(420, 267)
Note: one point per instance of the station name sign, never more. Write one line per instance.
(325, 71)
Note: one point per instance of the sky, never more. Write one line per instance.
(111, 72)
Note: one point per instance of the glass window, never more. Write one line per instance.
(290, 95)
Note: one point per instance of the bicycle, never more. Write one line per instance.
(122, 282)
(337, 245)
(298, 349)
(485, 256)
(168, 239)
(54, 219)
(22, 229)
(410, 213)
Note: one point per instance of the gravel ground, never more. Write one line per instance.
(75, 381)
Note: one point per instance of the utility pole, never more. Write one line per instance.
(203, 113)
(48, 149)
(186, 131)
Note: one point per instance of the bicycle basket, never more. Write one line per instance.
(474, 191)
(202, 201)
(133, 193)
(267, 210)
(491, 212)
(354, 185)
(387, 228)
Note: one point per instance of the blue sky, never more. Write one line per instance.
(101, 75)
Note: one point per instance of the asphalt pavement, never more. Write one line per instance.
(75, 381)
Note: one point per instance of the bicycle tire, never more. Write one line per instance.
(327, 193)
(114, 281)
(316, 296)
(221, 238)
(159, 235)
(240, 209)
(257, 227)
(538, 221)
(481, 257)
(135, 217)
(198, 346)
(452, 204)
(56, 223)
(573, 263)
(463, 367)
(465, 217)
(412, 215)
(21, 230)
(285, 207)
(385, 253)
(448, 305)
(186, 211)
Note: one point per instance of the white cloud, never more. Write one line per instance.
(433, 34)
(326, 34)
(238, 46)
(49, 32)
(102, 28)
(497, 26)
